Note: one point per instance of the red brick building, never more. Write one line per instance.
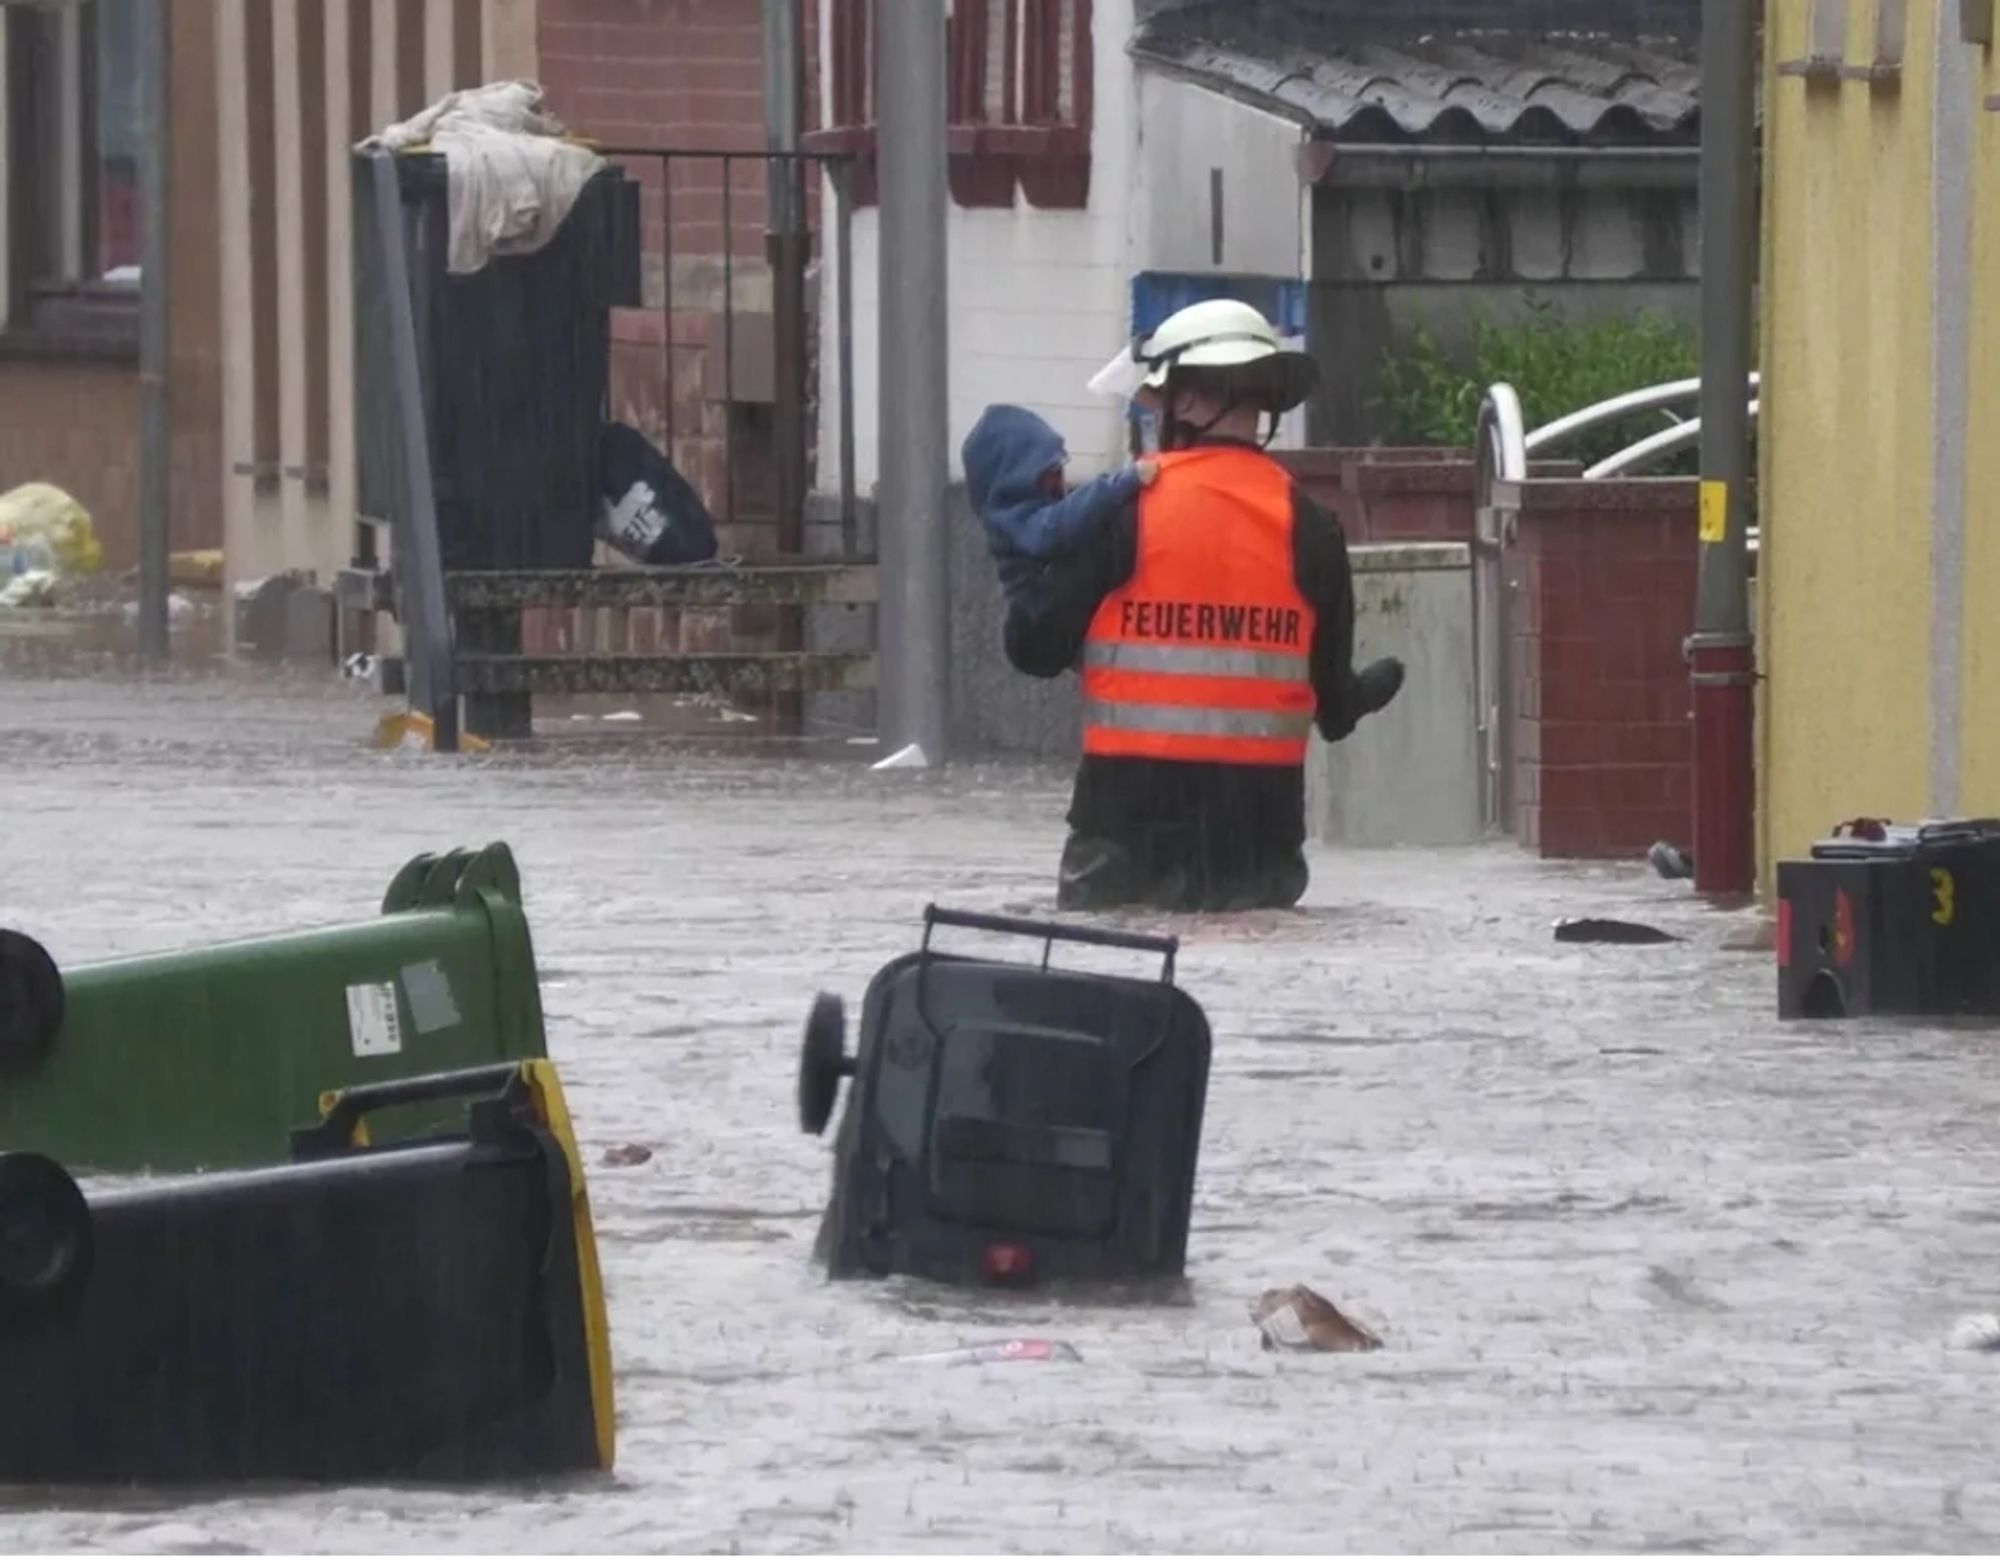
(687, 77)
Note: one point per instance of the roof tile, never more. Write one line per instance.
(1435, 85)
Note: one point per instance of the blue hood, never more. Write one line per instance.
(1005, 456)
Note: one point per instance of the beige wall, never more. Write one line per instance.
(297, 86)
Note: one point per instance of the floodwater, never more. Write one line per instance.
(1653, 1271)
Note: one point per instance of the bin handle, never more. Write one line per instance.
(342, 1111)
(1165, 946)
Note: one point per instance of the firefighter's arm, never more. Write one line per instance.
(1047, 622)
(1326, 580)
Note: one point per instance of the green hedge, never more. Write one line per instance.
(1556, 365)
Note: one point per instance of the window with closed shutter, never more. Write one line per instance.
(1017, 93)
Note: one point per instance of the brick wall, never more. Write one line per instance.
(1603, 596)
(686, 75)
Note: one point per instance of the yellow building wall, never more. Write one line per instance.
(1844, 451)
(1979, 729)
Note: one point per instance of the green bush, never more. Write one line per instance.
(1556, 365)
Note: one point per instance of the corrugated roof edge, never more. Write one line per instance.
(1472, 87)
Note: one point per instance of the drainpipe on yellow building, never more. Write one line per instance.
(1722, 650)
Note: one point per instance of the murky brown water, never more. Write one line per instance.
(1654, 1272)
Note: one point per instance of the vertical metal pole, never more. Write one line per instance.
(670, 392)
(427, 629)
(843, 265)
(914, 423)
(667, 290)
(1722, 651)
(785, 245)
(728, 166)
(154, 488)
(784, 84)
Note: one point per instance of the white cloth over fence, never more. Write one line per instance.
(512, 176)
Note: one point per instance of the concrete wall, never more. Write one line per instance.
(1847, 440)
(1389, 257)
(995, 710)
(1407, 776)
(70, 415)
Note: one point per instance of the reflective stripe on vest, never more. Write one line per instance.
(1220, 662)
(1205, 653)
(1206, 721)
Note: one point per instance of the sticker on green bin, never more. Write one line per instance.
(428, 988)
(372, 1023)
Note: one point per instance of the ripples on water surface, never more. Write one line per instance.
(1654, 1272)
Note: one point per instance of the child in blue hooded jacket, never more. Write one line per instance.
(1014, 476)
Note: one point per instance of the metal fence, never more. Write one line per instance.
(718, 226)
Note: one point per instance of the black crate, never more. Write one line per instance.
(1014, 1123)
(1905, 923)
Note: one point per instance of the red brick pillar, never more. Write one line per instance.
(1603, 584)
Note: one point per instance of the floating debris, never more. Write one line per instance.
(1758, 939)
(1670, 862)
(1297, 1319)
(1976, 1333)
(1610, 931)
(1020, 1351)
(910, 757)
(627, 1156)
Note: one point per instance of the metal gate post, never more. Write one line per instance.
(1722, 651)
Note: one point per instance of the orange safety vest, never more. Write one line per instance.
(1204, 655)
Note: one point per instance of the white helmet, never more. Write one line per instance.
(1214, 334)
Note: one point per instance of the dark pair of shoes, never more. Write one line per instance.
(1378, 683)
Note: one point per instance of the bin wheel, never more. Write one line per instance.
(823, 1061)
(46, 1247)
(31, 1003)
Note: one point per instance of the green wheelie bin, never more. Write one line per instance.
(209, 1058)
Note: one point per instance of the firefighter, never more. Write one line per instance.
(1214, 622)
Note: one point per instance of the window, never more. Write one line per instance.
(73, 130)
(1018, 98)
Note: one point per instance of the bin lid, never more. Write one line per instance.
(1861, 839)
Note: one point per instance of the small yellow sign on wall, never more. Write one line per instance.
(1714, 510)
